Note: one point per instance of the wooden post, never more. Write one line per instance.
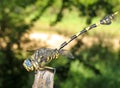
(43, 79)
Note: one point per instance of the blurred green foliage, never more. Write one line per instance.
(97, 66)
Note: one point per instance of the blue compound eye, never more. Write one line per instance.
(28, 63)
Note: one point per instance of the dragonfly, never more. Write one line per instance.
(42, 56)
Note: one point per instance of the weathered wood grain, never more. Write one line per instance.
(43, 79)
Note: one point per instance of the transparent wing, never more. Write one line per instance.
(31, 50)
(66, 53)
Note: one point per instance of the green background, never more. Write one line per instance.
(97, 66)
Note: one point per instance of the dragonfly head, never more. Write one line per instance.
(28, 65)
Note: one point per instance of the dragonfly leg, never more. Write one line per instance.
(51, 69)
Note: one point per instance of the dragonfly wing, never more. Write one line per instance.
(67, 54)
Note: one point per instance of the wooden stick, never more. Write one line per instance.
(43, 79)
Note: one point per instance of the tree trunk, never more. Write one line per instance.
(43, 79)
